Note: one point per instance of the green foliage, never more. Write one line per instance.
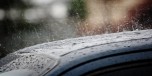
(78, 9)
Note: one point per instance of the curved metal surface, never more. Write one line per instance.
(63, 47)
(78, 62)
(70, 53)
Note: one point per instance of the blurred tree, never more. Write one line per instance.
(78, 9)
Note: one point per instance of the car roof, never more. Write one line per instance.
(58, 51)
(66, 46)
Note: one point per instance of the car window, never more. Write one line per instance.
(126, 71)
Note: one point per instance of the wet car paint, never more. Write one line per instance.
(71, 52)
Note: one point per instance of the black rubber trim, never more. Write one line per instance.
(112, 55)
(121, 66)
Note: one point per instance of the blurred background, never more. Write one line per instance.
(25, 23)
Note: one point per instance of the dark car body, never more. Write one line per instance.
(117, 54)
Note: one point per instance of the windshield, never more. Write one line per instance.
(25, 23)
